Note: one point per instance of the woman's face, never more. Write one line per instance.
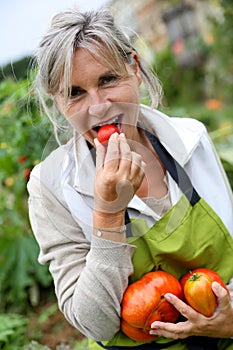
(99, 95)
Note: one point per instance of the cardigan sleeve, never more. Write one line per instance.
(89, 277)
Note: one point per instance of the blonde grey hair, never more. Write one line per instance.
(92, 30)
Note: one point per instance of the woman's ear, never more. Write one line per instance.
(136, 66)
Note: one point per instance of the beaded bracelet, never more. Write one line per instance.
(99, 232)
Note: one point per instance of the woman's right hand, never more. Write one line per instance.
(119, 174)
(219, 325)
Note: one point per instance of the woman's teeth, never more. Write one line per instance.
(115, 121)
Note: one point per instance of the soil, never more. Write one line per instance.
(48, 327)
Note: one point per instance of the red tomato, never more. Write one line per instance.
(106, 131)
(198, 292)
(143, 303)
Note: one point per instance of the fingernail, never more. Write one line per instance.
(216, 286)
(168, 296)
(155, 325)
(113, 136)
(122, 135)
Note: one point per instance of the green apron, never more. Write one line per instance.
(188, 236)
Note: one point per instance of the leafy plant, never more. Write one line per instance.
(219, 124)
(12, 330)
(23, 135)
(181, 85)
(82, 345)
(35, 346)
(221, 67)
(20, 271)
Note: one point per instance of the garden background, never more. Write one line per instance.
(29, 318)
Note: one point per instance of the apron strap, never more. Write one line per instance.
(176, 171)
(128, 226)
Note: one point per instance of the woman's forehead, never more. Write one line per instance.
(103, 59)
(85, 65)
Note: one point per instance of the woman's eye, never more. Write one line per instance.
(75, 92)
(109, 79)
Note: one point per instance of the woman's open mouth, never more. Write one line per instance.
(117, 121)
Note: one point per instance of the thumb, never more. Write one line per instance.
(221, 294)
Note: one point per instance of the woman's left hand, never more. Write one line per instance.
(219, 325)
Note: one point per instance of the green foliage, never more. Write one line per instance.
(35, 346)
(212, 78)
(204, 92)
(48, 312)
(221, 52)
(16, 70)
(19, 270)
(180, 85)
(82, 345)
(12, 330)
(219, 124)
(23, 136)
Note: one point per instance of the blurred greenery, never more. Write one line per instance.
(17, 70)
(12, 330)
(203, 92)
(22, 137)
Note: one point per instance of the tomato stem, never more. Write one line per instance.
(194, 277)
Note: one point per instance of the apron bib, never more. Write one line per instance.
(188, 236)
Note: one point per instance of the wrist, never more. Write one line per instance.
(117, 234)
(110, 226)
(108, 220)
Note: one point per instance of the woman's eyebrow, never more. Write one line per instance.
(107, 73)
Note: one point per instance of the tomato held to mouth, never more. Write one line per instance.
(106, 131)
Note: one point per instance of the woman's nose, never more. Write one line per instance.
(99, 110)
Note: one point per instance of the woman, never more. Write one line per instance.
(84, 195)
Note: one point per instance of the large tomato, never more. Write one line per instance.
(198, 292)
(106, 131)
(143, 303)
